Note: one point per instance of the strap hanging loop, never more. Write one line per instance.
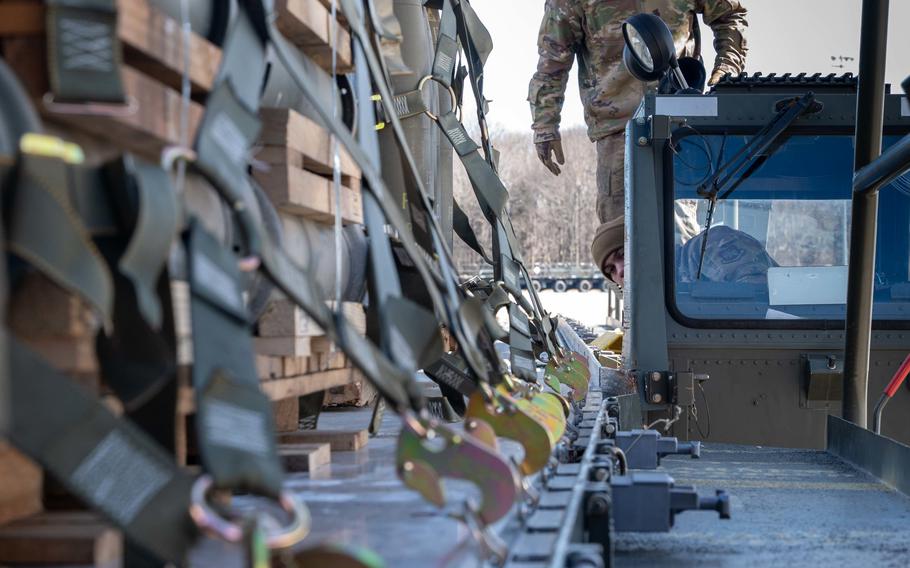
(448, 87)
(116, 110)
(211, 522)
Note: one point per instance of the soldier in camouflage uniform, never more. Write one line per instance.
(590, 30)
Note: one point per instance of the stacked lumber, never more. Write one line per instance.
(295, 358)
(297, 162)
(308, 25)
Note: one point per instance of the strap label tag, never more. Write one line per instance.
(86, 45)
(231, 426)
(519, 322)
(228, 136)
(119, 478)
(210, 277)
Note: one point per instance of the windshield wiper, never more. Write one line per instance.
(749, 158)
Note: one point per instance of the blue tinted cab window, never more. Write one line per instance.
(778, 246)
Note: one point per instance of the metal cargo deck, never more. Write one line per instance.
(796, 507)
(789, 507)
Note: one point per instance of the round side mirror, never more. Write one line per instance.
(649, 50)
(636, 69)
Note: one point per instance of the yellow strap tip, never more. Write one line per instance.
(51, 147)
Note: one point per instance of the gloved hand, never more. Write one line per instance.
(544, 151)
(716, 76)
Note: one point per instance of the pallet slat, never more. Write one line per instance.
(283, 318)
(61, 539)
(339, 440)
(287, 128)
(304, 457)
(309, 383)
(308, 25)
(306, 194)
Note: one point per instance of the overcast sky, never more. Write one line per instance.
(783, 36)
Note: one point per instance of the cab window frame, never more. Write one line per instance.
(669, 256)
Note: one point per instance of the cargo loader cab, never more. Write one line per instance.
(760, 308)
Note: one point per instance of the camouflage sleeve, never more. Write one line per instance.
(560, 34)
(727, 19)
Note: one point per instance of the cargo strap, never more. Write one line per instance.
(466, 233)
(469, 338)
(228, 129)
(488, 187)
(234, 418)
(448, 303)
(105, 461)
(40, 204)
(84, 53)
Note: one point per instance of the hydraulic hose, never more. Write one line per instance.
(890, 389)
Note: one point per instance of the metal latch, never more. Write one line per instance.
(671, 388)
(823, 380)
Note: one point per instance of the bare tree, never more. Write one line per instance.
(554, 216)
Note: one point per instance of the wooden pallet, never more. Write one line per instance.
(308, 25)
(296, 169)
(339, 440)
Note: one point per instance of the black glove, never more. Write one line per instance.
(544, 151)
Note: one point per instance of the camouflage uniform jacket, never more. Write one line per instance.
(591, 30)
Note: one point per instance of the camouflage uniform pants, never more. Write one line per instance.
(611, 194)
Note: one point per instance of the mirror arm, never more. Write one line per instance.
(680, 78)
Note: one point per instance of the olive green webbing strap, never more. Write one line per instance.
(477, 44)
(446, 46)
(90, 215)
(228, 129)
(465, 232)
(152, 209)
(492, 196)
(107, 462)
(480, 331)
(377, 187)
(45, 230)
(408, 333)
(233, 416)
(84, 53)
(131, 210)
